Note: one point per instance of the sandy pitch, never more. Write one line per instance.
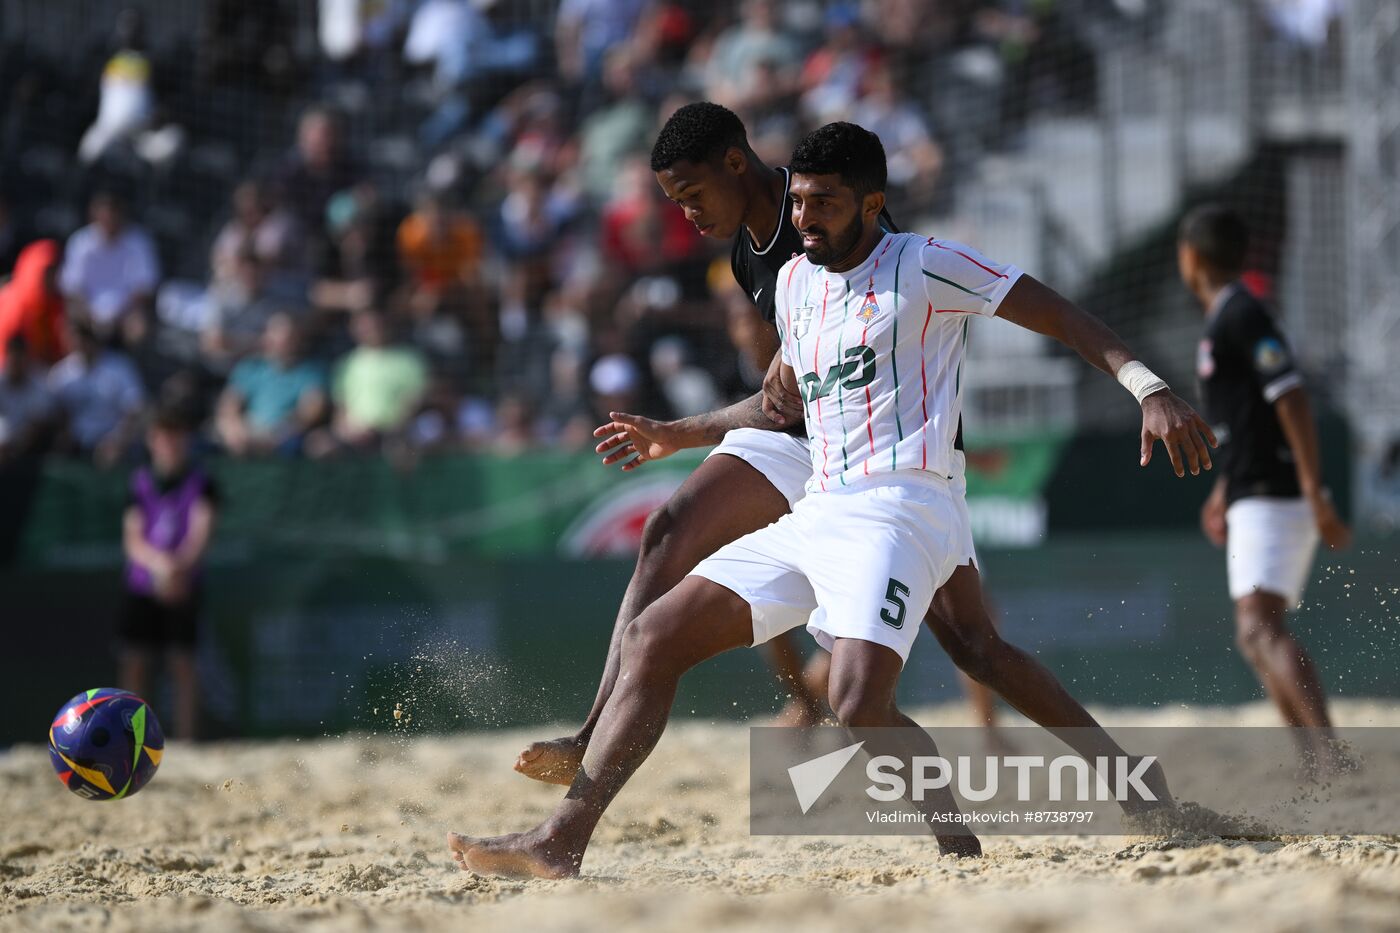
(348, 834)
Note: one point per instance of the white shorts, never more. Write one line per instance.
(860, 562)
(1270, 546)
(783, 459)
(786, 462)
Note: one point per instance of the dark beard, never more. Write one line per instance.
(839, 246)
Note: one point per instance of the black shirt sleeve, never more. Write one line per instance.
(1258, 343)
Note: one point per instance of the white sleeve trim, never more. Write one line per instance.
(1013, 275)
(1280, 386)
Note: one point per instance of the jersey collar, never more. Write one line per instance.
(784, 217)
(1222, 298)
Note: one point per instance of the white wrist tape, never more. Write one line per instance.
(1139, 380)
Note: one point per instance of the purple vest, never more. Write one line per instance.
(165, 519)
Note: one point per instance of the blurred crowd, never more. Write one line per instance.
(403, 226)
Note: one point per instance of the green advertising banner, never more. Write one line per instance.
(556, 504)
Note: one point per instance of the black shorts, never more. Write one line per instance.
(149, 623)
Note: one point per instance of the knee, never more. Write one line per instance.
(977, 650)
(857, 705)
(660, 532)
(1257, 624)
(650, 648)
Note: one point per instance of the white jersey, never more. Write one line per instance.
(878, 353)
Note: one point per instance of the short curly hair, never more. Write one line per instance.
(1219, 236)
(852, 152)
(699, 132)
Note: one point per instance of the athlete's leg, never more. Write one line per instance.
(863, 680)
(959, 620)
(723, 500)
(1284, 669)
(695, 621)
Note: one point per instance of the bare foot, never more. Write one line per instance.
(554, 762)
(518, 855)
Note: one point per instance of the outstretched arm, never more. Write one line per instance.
(1165, 417)
(636, 440)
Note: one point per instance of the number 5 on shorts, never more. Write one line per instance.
(893, 592)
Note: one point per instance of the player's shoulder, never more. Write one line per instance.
(1244, 312)
(798, 266)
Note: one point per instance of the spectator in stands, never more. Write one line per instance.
(915, 160)
(616, 384)
(127, 100)
(375, 390)
(586, 30)
(641, 231)
(31, 305)
(357, 268)
(238, 311)
(440, 254)
(439, 249)
(260, 225)
(732, 75)
(316, 169)
(515, 432)
(27, 407)
(620, 128)
(166, 531)
(687, 389)
(100, 397)
(272, 400)
(110, 265)
(834, 74)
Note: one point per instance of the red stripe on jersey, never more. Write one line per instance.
(816, 350)
(952, 311)
(923, 376)
(1000, 275)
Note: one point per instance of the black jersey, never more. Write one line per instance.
(756, 268)
(1244, 365)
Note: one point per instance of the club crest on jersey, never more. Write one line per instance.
(802, 320)
(1270, 356)
(869, 309)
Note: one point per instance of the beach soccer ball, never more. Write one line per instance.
(105, 744)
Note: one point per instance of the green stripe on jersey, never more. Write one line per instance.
(952, 283)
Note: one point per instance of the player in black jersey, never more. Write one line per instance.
(1269, 506)
(703, 162)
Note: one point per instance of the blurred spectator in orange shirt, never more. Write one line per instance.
(31, 305)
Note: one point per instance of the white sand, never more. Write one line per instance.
(348, 834)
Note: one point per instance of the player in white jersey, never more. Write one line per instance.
(872, 331)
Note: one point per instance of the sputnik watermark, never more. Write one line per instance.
(810, 779)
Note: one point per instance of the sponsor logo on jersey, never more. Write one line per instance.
(802, 321)
(868, 310)
(1270, 356)
(1205, 359)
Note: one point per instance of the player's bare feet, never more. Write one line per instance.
(555, 761)
(518, 855)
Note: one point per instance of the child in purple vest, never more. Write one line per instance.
(166, 530)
